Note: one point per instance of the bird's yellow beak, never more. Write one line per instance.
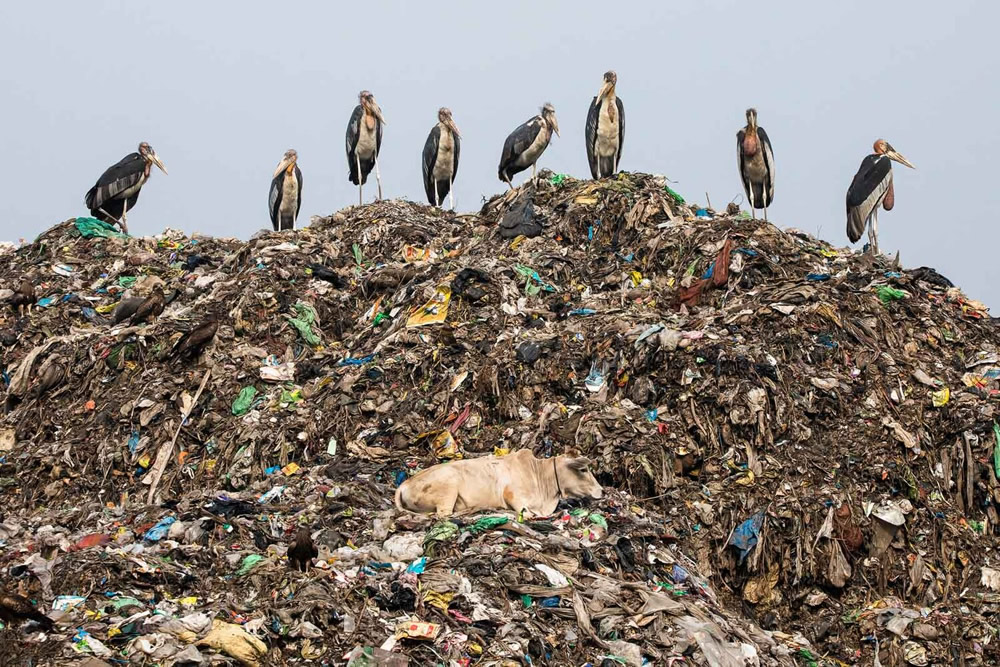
(605, 90)
(893, 155)
(283, 165)
(555, 125)
(454, 128)
(159, 163)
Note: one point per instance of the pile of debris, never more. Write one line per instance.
(797, 442)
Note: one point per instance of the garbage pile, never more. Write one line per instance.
(797, 442)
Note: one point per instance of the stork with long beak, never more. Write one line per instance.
(527, 143)
(871, 187)
(117, 190)
(605, 130)
(364, 141)
(756, 162)
(440, 159)
(285, 197)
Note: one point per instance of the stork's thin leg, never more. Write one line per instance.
(451, 193)
(874, 229)
(357, 161)
(378, 179)
(437, 197)
(533, 173)
(124, 220)
(765, 211)
(509, 184)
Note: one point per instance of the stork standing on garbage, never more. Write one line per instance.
(117, 190)
(440, 159)
(527, 143)
(364, 141)
(605, 130)
(871, 187)
(756, 161)
(285, 197)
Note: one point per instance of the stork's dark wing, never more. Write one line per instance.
(298, 202)
(458, 149)
(115, 180)
(869, 186)
(429, 158)
(519, 140)
(353, 133)
(378, 137)
(274, 198)
(621, 131)
(741, 161)
(590, 135)
(765, 145)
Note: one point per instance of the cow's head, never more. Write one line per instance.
(576, 479)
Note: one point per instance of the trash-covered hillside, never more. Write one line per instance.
(797, 441)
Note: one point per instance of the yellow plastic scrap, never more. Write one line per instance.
(501, 451)
(636, 278)
(290, 469)
(517, 241)
(826, 252)
(439, 600)
(445, 446)
(940, 398)
(434, 311)
(415, 254)
(235, 642)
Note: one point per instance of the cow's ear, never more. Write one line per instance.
(581, 463)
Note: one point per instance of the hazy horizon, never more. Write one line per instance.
(221, 91)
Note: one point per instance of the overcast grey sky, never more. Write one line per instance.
(221, 89)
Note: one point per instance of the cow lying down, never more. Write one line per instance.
(518, 481)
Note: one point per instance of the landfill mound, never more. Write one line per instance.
(797, 441)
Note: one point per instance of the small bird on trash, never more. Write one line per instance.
(150, 308)
(24, 297)
(14, 608)
(50, 375)
(302, 551)
(194, 342)
(126, 308)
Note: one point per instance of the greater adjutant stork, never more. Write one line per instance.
(605, 131)
(527, 143)
(117, 190)
(872, 186)
(364, 141)
(440, 161)
(756, 164)
(285, 198)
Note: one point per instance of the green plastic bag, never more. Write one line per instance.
(677, 197)
(442, 531)
(242, 404)
(889, 294)
(487, 523)
(250, 561)
(557, 179)
(304, 322)
(92, 227)
(996, 450)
